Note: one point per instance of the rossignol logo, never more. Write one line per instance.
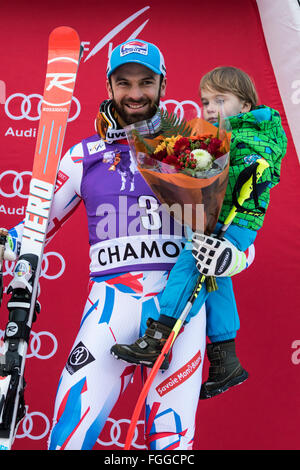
(38, 207)
(180, 376)
(79, 357)
(59, 110)
(60, 81)
(11, 329)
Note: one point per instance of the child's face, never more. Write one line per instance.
(226, 104)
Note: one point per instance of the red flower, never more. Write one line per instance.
(160, 155)
(171, 160)
(181, 144)
(218, 154)
(214, 146)
(203, 146)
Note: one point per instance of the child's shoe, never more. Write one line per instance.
(146, 349)
(225, 369)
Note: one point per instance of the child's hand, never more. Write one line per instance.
(216, 257)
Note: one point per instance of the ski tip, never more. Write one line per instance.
(64, 36)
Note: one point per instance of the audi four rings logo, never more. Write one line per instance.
(31, 423)
(20, 106)
(46, 272)
(39, 421)
(187, 108)
(36, 344)
(116, 433)
(16, 185)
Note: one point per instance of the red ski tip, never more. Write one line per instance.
(64, 36)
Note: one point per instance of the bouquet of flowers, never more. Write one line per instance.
(185, 163)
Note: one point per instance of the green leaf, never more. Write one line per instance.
(171, 125)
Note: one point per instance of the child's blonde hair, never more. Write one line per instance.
(233, 80)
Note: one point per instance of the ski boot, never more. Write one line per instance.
(225, 369)
(145, 350)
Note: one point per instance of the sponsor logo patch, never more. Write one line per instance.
(131, 47)
(180, 376)
(79, 357)
(95, 147)
(61, 180)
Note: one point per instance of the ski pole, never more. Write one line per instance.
(245, 193)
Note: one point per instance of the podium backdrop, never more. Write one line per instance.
(195, 36)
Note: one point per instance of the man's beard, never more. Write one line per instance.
(129, 118)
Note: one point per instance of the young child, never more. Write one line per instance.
(256, 132)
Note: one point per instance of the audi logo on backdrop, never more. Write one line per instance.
(20, 106)
(34, 430)
(30, 425)
(15, 181)
(183, 109)
(36, 345)
(117, 437)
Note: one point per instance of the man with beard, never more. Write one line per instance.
(128, 269)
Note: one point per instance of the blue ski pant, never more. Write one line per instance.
(222, 317)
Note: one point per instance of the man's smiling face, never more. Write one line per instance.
(135, 91)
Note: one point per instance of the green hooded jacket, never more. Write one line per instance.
(255, 134)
